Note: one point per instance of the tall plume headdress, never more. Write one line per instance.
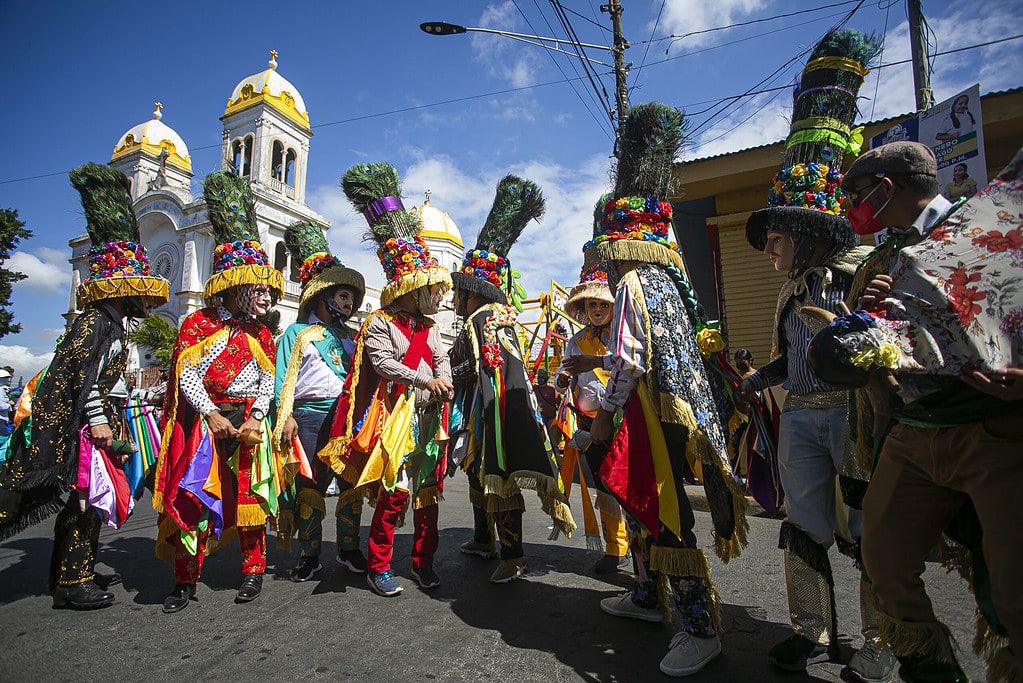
(320, 270)
(486, 269)
(238, 258)
(118, 265)
(805, 196)
(375, 191)
(636, 222)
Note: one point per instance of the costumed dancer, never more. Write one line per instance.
(660, 392)
(76, 434)
(591, 303)
(217, 473)
(313, 357)
(936, 356)
(389, 429)
(804, 234)
(507, 446)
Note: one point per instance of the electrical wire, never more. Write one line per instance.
(650, 42)
(599, 91)
(880, 56)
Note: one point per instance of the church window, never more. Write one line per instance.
(289, 167)
(241, 156)
(277, 162)
(281, 256)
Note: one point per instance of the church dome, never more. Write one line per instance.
(436, 224)
(271, 88)
(154, 136)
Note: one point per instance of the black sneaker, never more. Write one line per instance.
(306, 567)
(352, 560)
(796, 652)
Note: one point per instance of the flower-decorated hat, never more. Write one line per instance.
(118, 266)
(593, 278)
(635, 224)
(238, 258)
(320, 269)
(486, 268)
(805, 196)
(375, 191)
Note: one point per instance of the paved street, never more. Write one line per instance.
(546, 627)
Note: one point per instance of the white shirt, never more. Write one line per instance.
(627, 359)
(316, 379)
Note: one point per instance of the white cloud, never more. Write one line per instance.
(23, 360)
(47, 269)
(688, 16)
(762, 120)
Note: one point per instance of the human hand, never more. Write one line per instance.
(220, 426)
(577, 365)
(600, 430)
(564, 378)
(250, 432)
(101, 436)
(1006, 384)
(441, 388)
(879, 288)
(289, 431)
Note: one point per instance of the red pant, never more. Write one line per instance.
(188, 567)
(381, 532)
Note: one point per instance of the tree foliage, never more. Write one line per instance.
(157, 334)
(12, 231)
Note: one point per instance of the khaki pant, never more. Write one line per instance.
(922, 479)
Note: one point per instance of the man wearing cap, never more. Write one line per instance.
(950, 454)
(76, 438)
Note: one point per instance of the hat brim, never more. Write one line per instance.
(471, 283)
(632, 250)
(248, 274)
(594, 289)
(336, 276)
(410, 282)
(98, 289)
(795, 219)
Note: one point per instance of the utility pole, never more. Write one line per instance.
(918, 47)
(614, 8)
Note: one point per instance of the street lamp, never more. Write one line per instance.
(443, 28)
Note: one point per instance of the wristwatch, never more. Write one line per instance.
(257, 414)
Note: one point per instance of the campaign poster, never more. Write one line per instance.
(954, 130)
(907, 130)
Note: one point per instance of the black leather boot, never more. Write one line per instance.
(179, 598)
(105, 581)
(85, 595)
(252, 584)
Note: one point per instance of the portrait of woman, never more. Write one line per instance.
(958, 122)
(961, 185)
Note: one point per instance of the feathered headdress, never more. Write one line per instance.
(375, 191)
(593, 278)
(486, 269)
(320, 269)
(636, 223)
(805, 196)
(118, 266)
(238, 258)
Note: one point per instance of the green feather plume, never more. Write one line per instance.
(106, 200)
(305, 238)
(651, 137)
(598, 212)
(517, 202)
(363, 184)
(230, 207)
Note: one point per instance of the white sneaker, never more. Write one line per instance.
(689, 654)
(623, 606)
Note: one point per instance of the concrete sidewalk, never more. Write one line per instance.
(545, 627)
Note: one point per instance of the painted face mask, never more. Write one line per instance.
(339, 304)
(863, 216)
(254, 300)
(598, 312)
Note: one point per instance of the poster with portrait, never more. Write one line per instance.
(954, 130)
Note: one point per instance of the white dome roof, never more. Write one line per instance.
(270, 87)
(153, 136)
(436, 224)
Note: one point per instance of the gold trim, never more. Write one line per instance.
(633, 250)
(131, 145)
(248, 274)
(122, 286)
(410, 282)
(284, 103)
(331, 277)
(441, 235)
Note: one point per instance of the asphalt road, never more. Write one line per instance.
(546, 626)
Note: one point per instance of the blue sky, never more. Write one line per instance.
(453, 114)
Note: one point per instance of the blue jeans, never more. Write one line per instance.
(811, 448)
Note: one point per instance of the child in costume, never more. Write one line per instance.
(387, 432)
(507, 446)
(217, 471)
(590, 302)
(660, 394)
(77, 437)
(804, 234)
(313, 357)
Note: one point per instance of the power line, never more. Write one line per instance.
(650, 42)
